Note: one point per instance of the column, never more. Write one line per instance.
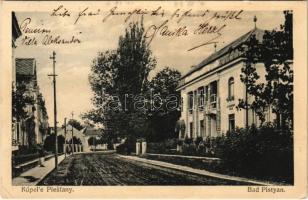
(196, 121)
(209, 126)
(138, 148)
(187, 114)
(143, 147)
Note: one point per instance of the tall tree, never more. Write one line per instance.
(164, 111)
(118, 78)
(276, 52)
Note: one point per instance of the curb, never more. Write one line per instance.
(199, 171)
(41, 178)
(28, 183)
(183, 156)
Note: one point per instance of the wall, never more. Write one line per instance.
(226, 107)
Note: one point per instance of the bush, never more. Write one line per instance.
(188, 140)
(163, 147)
(198, 140)
(156, 148)
(180, 142)
(123, 149)
(171, 143)
(259, 152)
(189, 149)
(127, 147)
(24, 158)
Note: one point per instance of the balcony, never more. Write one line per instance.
(213, 101)
(230, 101)
(211, 106)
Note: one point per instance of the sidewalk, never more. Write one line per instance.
(36, 174)
(198, 171)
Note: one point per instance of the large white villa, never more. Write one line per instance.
(211, 90)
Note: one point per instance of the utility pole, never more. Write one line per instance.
(65, 137)
(53, 57)
(72, 133)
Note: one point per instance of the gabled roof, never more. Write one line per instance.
(76, 132)
(25, 66)
(236, 43)
(91, 131)
(15, 28)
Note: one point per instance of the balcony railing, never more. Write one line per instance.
(230, 99)
(213, 101)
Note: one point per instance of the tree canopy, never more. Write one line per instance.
(76, 124)
(121, 86)
(276, 52)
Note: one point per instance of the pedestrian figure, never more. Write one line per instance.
(41, 156)
(68, 150)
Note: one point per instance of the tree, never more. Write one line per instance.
(76, 124)
(117, 78)
(49, 143)
(41, 103)
(278, 59)
(43, 125)
(92, 141)
(276, 52)
(20, 100)
(163, 115)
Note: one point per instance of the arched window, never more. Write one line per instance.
(231, 88)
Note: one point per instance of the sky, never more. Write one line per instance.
(73, 61)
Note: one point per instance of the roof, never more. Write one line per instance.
(15, 27)
(76, 132)
(91, 131)
(25, 66)
(242, 39)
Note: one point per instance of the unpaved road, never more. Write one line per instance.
(110, 169)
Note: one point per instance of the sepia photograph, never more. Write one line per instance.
(120, 94)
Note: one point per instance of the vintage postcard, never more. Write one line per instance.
(111, 99)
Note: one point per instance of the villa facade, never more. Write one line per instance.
(210, 92)
(32, 129)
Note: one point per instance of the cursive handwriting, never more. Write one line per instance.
(211, 41)
(163, 30)
(60, 12)
(128, 14)
(173, 23)
(24, 27)
(182, 31)
(51, 39)
(86, 12)
(207, 28)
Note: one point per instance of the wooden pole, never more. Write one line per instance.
(53, 57)
(72, 134)
(64, 138)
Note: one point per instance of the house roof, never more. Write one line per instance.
(25, 66)
(76, 132)
(15, 27)
(91, 131)
(236, 43)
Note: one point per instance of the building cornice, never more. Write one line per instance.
(211, 72)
